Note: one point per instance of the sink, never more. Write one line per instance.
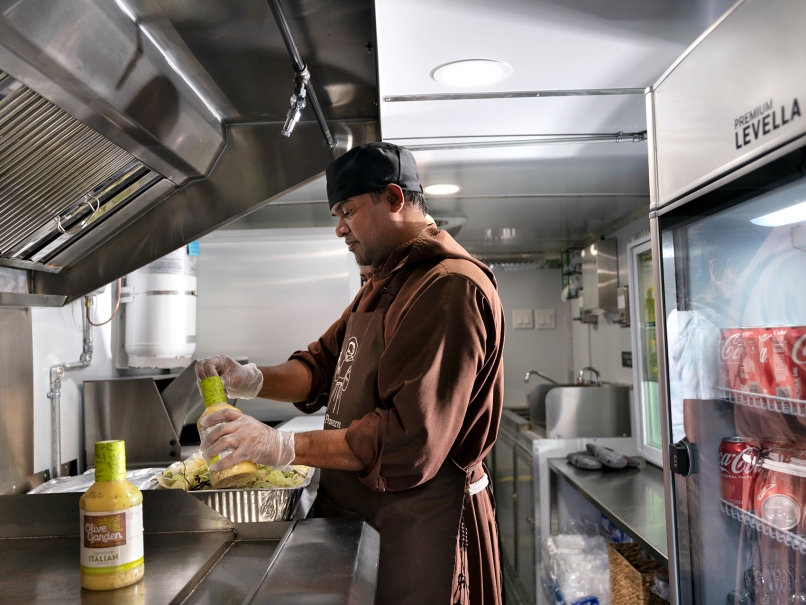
(574, 411)
(536, 400)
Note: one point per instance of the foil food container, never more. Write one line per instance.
(251, 505)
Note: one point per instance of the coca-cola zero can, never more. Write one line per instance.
(738, 467)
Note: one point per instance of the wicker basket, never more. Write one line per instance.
(631, 573)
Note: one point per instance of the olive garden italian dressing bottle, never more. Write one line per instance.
(215, 400)
(111, 523)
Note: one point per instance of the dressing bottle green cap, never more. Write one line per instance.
(212, 390)
(110, 460)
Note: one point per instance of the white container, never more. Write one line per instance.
(161, 312)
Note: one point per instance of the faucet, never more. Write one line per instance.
(541, 374)
(592, 370)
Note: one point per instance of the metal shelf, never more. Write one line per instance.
(795, 407)
(795, 542)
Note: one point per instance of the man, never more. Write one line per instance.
(412, 377)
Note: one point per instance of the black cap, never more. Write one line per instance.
(371, 167)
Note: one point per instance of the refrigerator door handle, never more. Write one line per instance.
(682, 456)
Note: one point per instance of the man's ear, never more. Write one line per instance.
(394, 195)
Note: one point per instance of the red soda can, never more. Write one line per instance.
(757, 361)
(738, 467)
(789, 365)
(730, 359)
(778, 499)
(767, 361)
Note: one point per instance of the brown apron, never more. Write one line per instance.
(419, 527)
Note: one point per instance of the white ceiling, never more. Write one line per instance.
(541, 197)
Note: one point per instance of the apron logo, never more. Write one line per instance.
(343, 369)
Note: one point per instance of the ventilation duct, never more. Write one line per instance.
(130, 128)
(58, 177)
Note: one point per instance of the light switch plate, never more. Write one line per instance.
(523, 319)
(545, 319)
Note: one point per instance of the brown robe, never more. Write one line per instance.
(441, 378)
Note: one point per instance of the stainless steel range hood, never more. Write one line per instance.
(129, 128)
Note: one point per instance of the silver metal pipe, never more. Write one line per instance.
(615, 137)
(57, 373)
(541, 374)
(592, 370)
(301, 74)
(521, 94)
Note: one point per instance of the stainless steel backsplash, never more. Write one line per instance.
(16, 401)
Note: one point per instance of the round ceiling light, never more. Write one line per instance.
(471, 72)
(443, 189)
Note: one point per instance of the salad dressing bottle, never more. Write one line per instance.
(111, 523)
(215, 400)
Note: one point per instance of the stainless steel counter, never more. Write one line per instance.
(193, 555)
(633, 499)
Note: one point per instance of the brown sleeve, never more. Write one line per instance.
(321, 357)
(426, 378)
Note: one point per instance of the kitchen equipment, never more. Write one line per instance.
(194, 555)
(536, 398)
(146, 412)
(140, 127)
(727, 194)
(158, 323)
(600, 277)
(249, 505)
(521, 480)
(588, 411)
(570, 411)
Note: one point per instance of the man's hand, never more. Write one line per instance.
(240, 381)
(247, 439)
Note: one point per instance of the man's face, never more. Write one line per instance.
(363, 224)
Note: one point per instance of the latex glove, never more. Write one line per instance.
(240, 381)
(247, 439)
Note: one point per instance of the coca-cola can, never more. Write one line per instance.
(778, 496)
(730, 359)
(757, 361)
(789, 362)
(738, 467)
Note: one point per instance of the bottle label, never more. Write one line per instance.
(110, 460)
(111, 541)
(203, 432)
(212, 390)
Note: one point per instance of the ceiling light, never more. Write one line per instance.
(443, 189)
(786, 216)
(471, 72)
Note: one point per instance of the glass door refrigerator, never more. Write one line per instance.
(727, 140)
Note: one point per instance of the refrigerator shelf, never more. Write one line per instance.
(793, 541)
(794, 407)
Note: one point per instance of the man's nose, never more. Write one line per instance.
(341, 228)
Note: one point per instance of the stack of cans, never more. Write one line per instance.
(769, 481)
(764, 361)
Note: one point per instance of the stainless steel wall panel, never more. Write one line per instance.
(736, 95)
(16, 400)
